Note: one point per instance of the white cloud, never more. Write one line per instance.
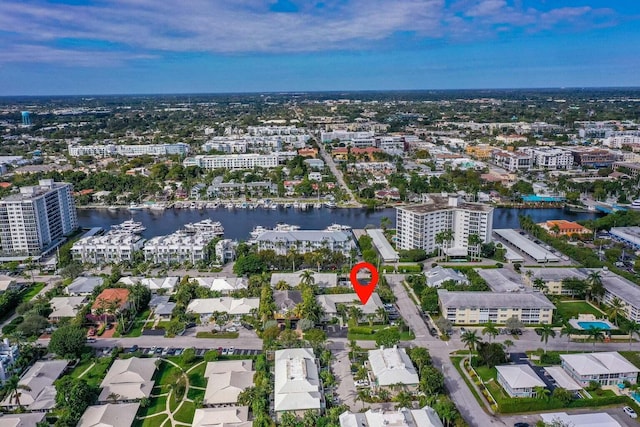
(242, 26)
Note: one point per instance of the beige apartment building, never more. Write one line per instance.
(469, 308)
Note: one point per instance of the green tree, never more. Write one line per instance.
(596, 334)
(470, 340)
(563, 395)
(315, 337)
(431, 381)
(596, 289)
(12, 388)
(403, 400)
(632, 328)
(616, 308)
(68, 341)
(387, 337)
(490, 329)
(541, 392)
(545, 331)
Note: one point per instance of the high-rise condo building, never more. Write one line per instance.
(423, 226)
(37, 219)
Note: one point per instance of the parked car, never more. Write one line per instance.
(230, 351)
(159, 350)
(133, 349)
(362, 383)
(178, 352)
(629, 411)
(224, 352)
(232, 329)
(91, 339)
(462, 331)
(521, 425)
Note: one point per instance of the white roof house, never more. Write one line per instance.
(598, 366)
(129, 378)
(226, 380)
(392, 366)
(329, 303)
(518, 380)
(221, 284)
(233, 306)
(66, 306)
(436, 276)
(84, 285)
(109, 415)
(592, 419)
(322, 280)
(153, 283)
(233, 416)
(562, 378)
(22, 420)
(297, 384)
(39, 378)
(403, 417)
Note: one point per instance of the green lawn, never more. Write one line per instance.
(31, 291)
(167, 373)
(137, 326)
(157, 404)
(220, 335)
(151, 422)
(186, 412)
(195, 394)
(632, 356)
(95, 376)
(196, 377)
(404, 336)
(570, 309)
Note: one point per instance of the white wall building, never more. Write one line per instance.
(512, 161)
(550, 158)
(403, 417)
(297, 387)
(303, 241)
(354, 139)
(178, 247)
(37, 219)
(234, 161)
(111, 150)
(418, 225)
(113, 247)
(390, 366)
(606, 368)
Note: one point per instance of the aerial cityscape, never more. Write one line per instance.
(332, 214)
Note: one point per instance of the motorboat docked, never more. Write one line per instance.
(330, 204)
(206, 225)
(338, 227)
(128, 226)
(135, 207)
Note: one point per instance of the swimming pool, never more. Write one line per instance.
(593, 325)
(636, 396)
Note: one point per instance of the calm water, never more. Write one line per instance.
(239, 222)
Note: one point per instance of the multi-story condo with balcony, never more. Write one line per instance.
(110, 150)
(234, 161)
(550, 158)
(512, 161)
(593, 157)
(113, 247)
(418, 226)
(179, 247)
(36, 220)
(304, 241)
(468, 308)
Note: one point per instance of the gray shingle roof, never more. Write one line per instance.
(493, 299)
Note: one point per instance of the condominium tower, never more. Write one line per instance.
(419, 225)
(36, 219)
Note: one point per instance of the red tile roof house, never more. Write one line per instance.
(111, 302)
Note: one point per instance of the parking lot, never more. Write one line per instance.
(172, 351)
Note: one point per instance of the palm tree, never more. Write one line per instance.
(595, 285)
(282, 286)
(371, 317)
(596, 334)
(113, 397)
(567, 330)
(491, 330)
(539, 283)
(382, 314)
(403, 400)
(471, 340)
(541, 392)
(448, 238)
(355, 313)
(362, 395)
(12, 388)
(440, 239)
(615, 309)
(555, 228)
(341, 309)
(507, 344)
(545, 332)
(474, 241)
(307, 278)
(632, 328)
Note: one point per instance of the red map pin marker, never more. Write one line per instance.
(364, 291)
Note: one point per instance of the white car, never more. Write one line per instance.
(629, 411)
(362, 383)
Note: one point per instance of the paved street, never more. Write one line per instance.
(178, 342)
(337, 173)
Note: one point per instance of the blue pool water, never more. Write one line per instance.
(636, 396)
(591, 325)
(535, 198)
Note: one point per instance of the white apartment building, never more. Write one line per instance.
(110, 150)
(275, 130)
(112, 247)
(304, 241)
(626, 291)
(418, 225)
(619, 139)
(468, 308)
(550, 158)
(36, 219)
(391, 144)
(512, 161)
(233, 161)
(353, 139)
(178, 247)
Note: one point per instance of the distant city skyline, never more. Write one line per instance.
(94, 47)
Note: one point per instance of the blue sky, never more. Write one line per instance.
(188, 46)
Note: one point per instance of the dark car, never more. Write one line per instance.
(521, 425)
(133, 349)
(190, 325)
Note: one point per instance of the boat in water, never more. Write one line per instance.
(330, 204)
(205, 226)
(128, 226)
(338, 227)
(112, 208)
(135, 207)
(157, 207)
(229, 206)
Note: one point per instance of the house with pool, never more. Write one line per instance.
(606, 368)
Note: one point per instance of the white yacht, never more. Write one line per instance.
(206, 225)
(330, 204)
(134, 207)
(158, 207)
(229, 206)
(338, 227)
(128, 226)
